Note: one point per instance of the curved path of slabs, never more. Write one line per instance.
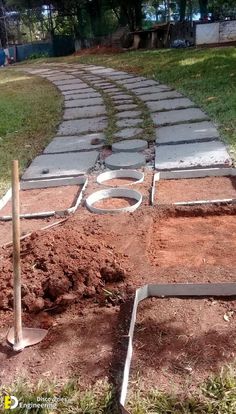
(102, 104)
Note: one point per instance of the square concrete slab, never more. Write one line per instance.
(80, 126)
(170, 104)
(178, 116)
(77, 103)
(160, 95)
(195, 155)
(197, 131)
(85, 112)
(122, 97)
(61, 165)
(75, 143)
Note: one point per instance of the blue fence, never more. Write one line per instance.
(61, 46)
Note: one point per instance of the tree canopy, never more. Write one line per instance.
(95, 18)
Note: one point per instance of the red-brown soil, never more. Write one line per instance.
(71, 269)
(195, 189)
(119, 182)
(178, 343)
(115, 202)
(45, 199)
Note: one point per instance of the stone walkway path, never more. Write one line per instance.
(102, 103)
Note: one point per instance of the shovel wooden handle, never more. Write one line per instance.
(16, 253)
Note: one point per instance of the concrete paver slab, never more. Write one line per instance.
(125, 160)
(170, 104)
(160, 95)
(128, 114)
(66, 82)
(80, 126)
(151, 89)
(61, 165)
(195, 155)
(178, 116)
(129, 122)
(196, 131)
(130, 145)
(77, 91)
(86, 95)
(128, 133)
(141, 84)
(85, 112)
(126, 107)
(78, 85)
(75, 143)
(76, 103)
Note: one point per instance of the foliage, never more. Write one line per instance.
(30, 110)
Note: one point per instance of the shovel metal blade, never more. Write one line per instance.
(30, 336)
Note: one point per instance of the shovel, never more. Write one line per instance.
(17, 336)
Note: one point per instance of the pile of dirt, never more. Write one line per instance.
(63, 266)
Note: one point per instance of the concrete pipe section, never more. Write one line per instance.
(134, 175)
(113, 193)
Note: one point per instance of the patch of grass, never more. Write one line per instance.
(62, 399)
(216, 396)
(208, 76)
(30, 110)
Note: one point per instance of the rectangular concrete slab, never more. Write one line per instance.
(77, 85)
(56, 78)
(141, 84)
(85, 112)
(85, 95)
(151, 89)
(178, 116)
(194, 155)
(195, 131)
(61, 165)
(76, 103)
(67, 82)
(170, 104)
(78, 91)
(160, 95)
(75, 143)
(80, 126)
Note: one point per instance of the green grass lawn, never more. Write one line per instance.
(30, 109)
(208, 76)
(216, 396)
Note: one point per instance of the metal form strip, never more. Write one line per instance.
(175, 290)
(198, 173)
(58, 182)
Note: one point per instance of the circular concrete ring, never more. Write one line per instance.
(138, 176)
(125, 160)
(112, 193)
(130, 145)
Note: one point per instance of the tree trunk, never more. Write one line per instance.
(182, 10)
(3, 34)
(203, 4)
